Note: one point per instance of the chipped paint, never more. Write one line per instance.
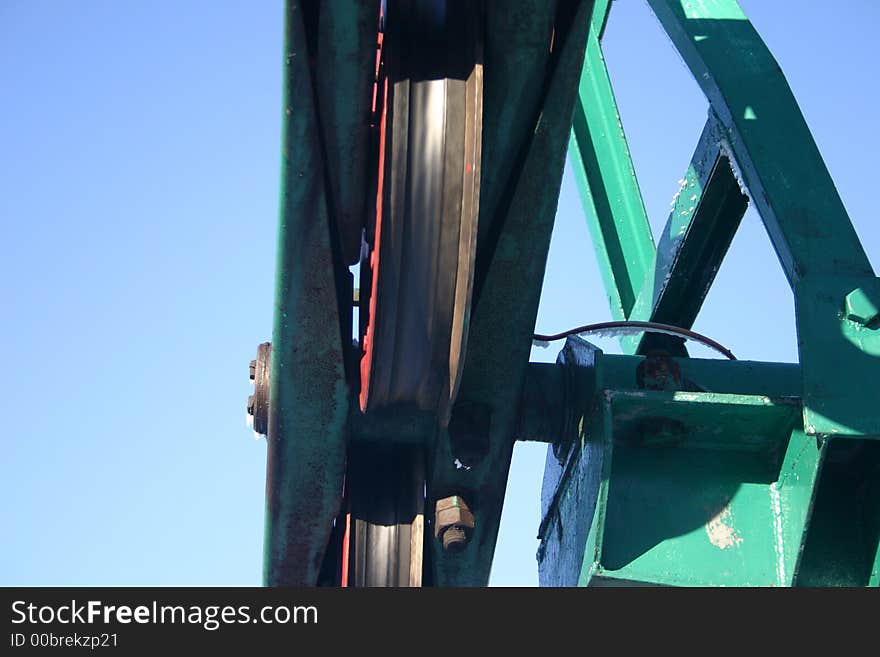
(776, 503)
(721, 531)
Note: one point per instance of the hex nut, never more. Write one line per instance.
(453, 522)
(258, 403)
(863, 305)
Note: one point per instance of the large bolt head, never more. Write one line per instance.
(863, 305)
(258, 403)
(453, 522)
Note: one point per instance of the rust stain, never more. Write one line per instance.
(721, 531)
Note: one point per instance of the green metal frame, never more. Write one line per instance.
(716, 487)
(529, 97)
(511, 261)
(607, 181)
(755, 122)
(309, 393)
(755, 474)
(746, 482)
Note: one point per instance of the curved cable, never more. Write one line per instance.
(638, 327)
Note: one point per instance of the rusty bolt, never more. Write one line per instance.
(453, 523)
(658, 372)
(258, 403)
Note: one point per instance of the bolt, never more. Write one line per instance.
(863, 306)
(258, 403)
(454, 539)
(658, 372)
(453, 523)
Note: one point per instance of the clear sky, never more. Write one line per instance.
(139, 175)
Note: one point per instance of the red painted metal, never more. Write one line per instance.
(346, 543)
(367, 357)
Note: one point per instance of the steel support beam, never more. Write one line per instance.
(507, 292)
(805, 218)
(516, 54)
(780, 163)
(344, 71)
(705, 215)
(607, 182)
(875, 570)
(714, 483)
(837, 352)
(724, 479)
(715, 487)
(309, 397)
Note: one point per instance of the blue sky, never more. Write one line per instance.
(139, 175)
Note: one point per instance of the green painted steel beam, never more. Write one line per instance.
(698, 517)
(764, 132)
(573, 493)
(737, 477)
(542, 408)
(740, 377)
(779, 160)
(516, 54)
(701, 420)
(547, 408)
(504, 311)
(344, 71)
(837, 353)
(705, 215)
(805, 218)
(601, 11)
(607, 182)
(874, 580)
(309, 397)
(793, 496)
(680, 488)
(717, 487)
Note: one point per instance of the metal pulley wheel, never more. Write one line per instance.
(424, 243)
(384, 541)
(420, 269)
